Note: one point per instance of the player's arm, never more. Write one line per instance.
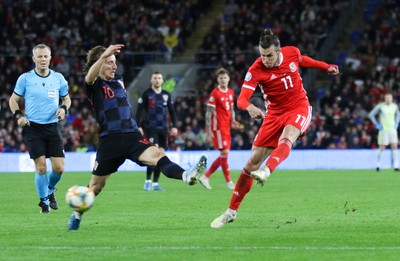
(309, 62)
(13, 102)
(397, 118)
(63, 109)
(372, 117)
(94, 70)
(209, 112)
(171, 111)
(234, 123)
(244, 104)
(14, 107)
(139, 110)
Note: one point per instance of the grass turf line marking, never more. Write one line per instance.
(180, 248)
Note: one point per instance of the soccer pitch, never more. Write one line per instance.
(297, 215)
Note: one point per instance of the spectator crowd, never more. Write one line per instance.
(340, 109)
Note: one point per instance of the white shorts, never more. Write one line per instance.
(386, 137)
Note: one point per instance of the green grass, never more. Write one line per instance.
(297, 215)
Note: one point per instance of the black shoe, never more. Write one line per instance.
(377, 169)
(45, 208)
(53, 201)
(396, 169)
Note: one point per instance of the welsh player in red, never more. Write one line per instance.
(220, 117)
(288, 112)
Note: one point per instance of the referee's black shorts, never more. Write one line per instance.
(44, 140)
(114, 149)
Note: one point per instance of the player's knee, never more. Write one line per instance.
(59, 170)
(41, 168)
(158, 154)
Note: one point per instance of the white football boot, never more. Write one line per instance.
(260, 175)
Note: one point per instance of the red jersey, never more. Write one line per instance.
(222, 101)
(281, 86)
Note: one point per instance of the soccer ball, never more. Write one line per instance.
(80, 198)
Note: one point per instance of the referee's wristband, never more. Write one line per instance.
(17, 114)
(65, 109)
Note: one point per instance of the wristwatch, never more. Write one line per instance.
(17, 114)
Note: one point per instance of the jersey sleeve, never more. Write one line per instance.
(212, 101)
(64, 86)
(373, 113)
(233, 96)
(306, 61)
(20, 86)
(249, 86)
(139, 110)
(171, 110)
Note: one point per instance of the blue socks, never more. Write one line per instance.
(53, 180)
(42, 187)
(45, 187)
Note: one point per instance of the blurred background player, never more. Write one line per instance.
(42, 89)
(220, 117)
(119, 135)
(387, 125)
(288, 112)
(157, 103)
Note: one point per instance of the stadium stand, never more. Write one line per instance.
(70, 28)
(369, 68)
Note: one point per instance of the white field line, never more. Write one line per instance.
(202, 248)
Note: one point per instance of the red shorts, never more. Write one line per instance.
(272, 127)
(221, 139)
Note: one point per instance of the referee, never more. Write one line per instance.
(42, 89)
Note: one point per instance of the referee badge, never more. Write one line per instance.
(51, 93)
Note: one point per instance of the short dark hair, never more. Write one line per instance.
(268, 38)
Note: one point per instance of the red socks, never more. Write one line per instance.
(223, 162)
(279, 154)
(214, 166)
(243, 186)
(245, 182)
(225, 167)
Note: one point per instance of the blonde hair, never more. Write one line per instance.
(221, 71)
(40, 46)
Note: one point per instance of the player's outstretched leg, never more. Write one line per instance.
(191, 175)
